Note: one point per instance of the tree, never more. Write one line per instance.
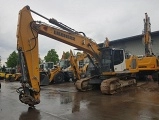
(67, 55)
(12, 60)
(52, 56)
(3, 68)
(78, 53)
(40, 60)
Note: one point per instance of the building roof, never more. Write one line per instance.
(155, 33)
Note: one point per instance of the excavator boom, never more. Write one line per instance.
(149, 63)
(65, 34)
(147, 36)
(73, 39)
(27, 46)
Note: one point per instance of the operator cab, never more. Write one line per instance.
(112, 60)
(64, 63)
(47, 66)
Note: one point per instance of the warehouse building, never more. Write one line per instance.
(135, 45)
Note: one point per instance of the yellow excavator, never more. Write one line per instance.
(79, 65)
(83, 63)
(114, 69)
(149, 63)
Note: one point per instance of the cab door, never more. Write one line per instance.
(119, 60)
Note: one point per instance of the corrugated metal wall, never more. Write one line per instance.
(135, 46)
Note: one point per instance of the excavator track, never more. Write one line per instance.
(111, 85)
(83, 84)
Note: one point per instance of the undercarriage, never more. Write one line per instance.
(107, 86)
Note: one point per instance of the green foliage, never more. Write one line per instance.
(51, 56)
(67, 55)
(3, 69)
(12, 60)
(40, 60)
(78, 53)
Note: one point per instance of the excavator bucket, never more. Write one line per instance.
(44, 79)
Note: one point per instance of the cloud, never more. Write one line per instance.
(114, 19)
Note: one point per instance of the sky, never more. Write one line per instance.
(98, 19)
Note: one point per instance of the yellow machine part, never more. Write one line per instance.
(9, 75)
(148, 63)
(54, 72)
(13, 77)
(29, 48)
(2, 75)
(132, 64)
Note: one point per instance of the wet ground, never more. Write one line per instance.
(63, 102)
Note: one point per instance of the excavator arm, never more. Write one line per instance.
(64, 34)
(73, 39)
(147, 36)
(27, 46)
(75, 67)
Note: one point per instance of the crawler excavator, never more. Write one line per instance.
(114, 69)
(149, 63)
